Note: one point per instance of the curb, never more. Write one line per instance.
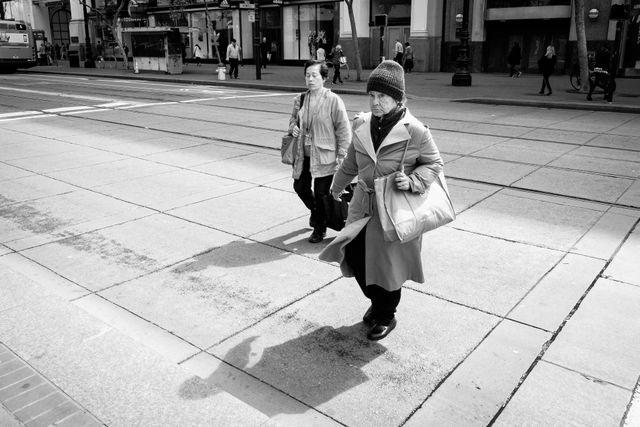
(590, 106)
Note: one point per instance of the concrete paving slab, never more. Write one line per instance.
(632, 417)
(316, 351)
(605, 237)
(463, 143)
(607, 153)
(225, 290)
(588, 186)
(602, 338)
(81, 156)
(36, 222)
(152, 146)
(114, 377)
(246, 212)
(552, 395)
(465, 194)
(256, 168)
(615, 140)
(31, 187)
(205, 152)
(7, 419)
(484, 381)
(593, 121)
(5, 250)
(173, 189)
(558, 135)
(496, 129)
(495, 275)
(618, 168)
(8, 172)
(115, 254)
(631, 197)
(34, 147)
(49, 282)
(108, 173)
(212, 374)
(525, 151)
(488, 170)
(48, 127)
(555, 223)
(625, 266)
(552, 299)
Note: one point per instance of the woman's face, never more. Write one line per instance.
(381, 103)
(313, 77)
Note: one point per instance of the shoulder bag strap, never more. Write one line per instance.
(404, 154)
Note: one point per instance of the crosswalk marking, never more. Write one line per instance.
(19, 113)
(65, 109)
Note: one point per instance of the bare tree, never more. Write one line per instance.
(109, 16)
(354, 37)
(579, 11)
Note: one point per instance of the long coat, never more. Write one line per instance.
(387, 264)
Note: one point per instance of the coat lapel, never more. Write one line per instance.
(398, 133)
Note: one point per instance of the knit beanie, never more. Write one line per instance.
(387, 78)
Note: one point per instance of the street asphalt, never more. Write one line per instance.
(142, 286)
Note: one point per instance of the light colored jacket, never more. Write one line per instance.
(330, 132)
(388, 264)
(233, 52)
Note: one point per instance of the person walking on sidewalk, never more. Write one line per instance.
(546, 64)
(514, 58)
(379, 138)
(398, 51)
(407, 62)
(321, 125)
(197, 53)
(233, 57)
(336, 55)
(264, 52)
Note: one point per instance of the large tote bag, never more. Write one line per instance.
(405, 215)
(289, 142)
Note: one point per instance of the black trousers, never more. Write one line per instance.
(233, 69)
(384, 302)
(312, 198)
(336, 73)
(545, 83)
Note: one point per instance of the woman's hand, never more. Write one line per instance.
(296, 131)
(336, 195)
(403, 182)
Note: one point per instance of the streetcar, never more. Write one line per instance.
(17, 45)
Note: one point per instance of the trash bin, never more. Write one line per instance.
(74, 58)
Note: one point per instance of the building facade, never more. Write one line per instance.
(295, 29)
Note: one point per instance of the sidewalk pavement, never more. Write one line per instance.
(486, 88)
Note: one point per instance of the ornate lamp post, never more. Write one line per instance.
(462, 76)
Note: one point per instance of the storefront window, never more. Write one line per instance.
(307, 27)
(398, 11)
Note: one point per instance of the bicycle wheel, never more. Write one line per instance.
(575, 81)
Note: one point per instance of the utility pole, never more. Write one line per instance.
(462, 76)
(88, 62)
(258, 39)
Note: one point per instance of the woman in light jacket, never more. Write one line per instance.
(379, 139)
(324, 134)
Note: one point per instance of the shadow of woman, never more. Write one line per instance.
(313, 369)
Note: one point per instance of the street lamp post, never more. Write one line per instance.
(88, 62)
(462, 76)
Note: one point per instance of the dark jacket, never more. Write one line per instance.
(546, 65)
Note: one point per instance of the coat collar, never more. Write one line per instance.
(398, 133)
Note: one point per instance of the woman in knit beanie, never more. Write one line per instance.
(379, 139)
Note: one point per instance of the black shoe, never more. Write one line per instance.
(380, 331)
(368, 317)
(549, 93)
(589, 98)
(541, 92)
(317, 236)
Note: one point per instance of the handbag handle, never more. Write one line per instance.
(404, 154)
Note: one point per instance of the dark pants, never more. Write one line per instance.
(545, 83)
(312, 198)
(384, 302)
(336, 73)
(233, 71)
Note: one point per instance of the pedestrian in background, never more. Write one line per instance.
(322, 128)
(398, 51)
(514, 58)
(336, 54)
(379, 139)
(546, 64)
(264, 52)
(197, 53)
(407, 63)
(233, 57)
(321, 54)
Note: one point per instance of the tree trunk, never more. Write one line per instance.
(583, 61)
(354, 37)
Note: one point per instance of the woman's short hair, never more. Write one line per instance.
(324, 69)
